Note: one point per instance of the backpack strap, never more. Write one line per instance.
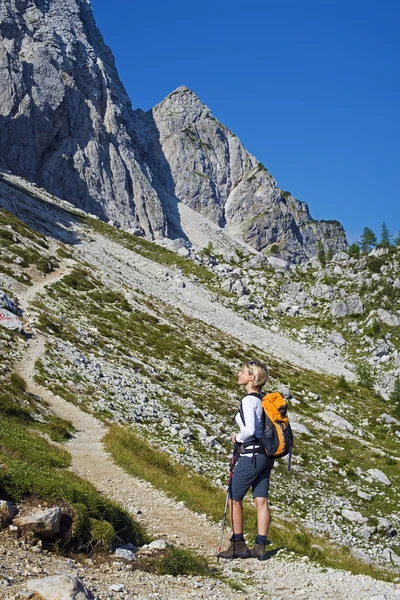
(241, 412)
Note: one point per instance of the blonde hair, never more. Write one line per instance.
(260, 372)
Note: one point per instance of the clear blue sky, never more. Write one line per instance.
(311, 87)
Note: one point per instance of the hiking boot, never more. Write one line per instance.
(236, 550)
(258, 550)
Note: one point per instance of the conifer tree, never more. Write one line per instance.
(386, 237)
(354, 250)
(395, 395)
(321, 254)
(368, 240)
(397, 239)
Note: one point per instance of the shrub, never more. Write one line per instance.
(343, 384)
(18, 382)
(178, 561)
(374, 264)
(274, 249)
(374, 328)
(365, 375)
(78, 280)
(395, 395)
(354, 250)
(321, 253)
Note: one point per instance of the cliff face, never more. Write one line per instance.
(66, 123)
(65, 119)
(208, 168)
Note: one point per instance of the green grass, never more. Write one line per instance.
(31, 466)
(176, 561)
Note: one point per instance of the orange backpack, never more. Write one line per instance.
(277, 437)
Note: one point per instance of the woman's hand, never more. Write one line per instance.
(233, 437)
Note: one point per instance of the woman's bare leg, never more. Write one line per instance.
(236, 516)
(263, 515)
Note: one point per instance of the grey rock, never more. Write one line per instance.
(388, 318)
(59, 587)
(333, 419)
(277, 263)
(45, 523)
(357, 553)
(160, 544)
(383, 525)
(366, 532)
(354, 516)
(336, 338)
(388, 419)
(339, 308)
(245, 302)
(391, 557)
(124, 553)
(7, 513)
(239, 288)
(300, 428)
(355, 305)
(323, 291)
(379, 476)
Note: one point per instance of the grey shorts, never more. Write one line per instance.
(253, 474)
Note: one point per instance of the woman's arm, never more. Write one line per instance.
(247, 430)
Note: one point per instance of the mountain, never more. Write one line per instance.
(67, 124)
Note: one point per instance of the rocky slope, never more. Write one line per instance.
(67, 124)
(141, 335)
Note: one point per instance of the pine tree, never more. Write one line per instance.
(395, 395)
(386, 237)
(321, 254)
(368, 240)
(354, 250)
(397, 239)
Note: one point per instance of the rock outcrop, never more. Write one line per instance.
(66, 123)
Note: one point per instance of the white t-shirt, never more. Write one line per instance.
(253, 416)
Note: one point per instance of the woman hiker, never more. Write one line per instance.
(253, 468)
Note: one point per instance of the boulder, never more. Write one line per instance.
(379, 476)
(157, 545)
(7, 513)
(59, 587)
(333, 419)
(239, 288)
(384, 525)
(124, 553)
(366, 532)
(391, 557)
(336, 338)
(245, 302)
(388, 419)
(46, 523)
(339, 308)
(300, 428)
(388, 318)
(277, 263)
(355, 305)
(323, 291)
(341, 257)
(354, 516)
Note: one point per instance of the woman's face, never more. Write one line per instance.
(244, 376)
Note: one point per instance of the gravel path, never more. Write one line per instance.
(126, 268)
(280, 578)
